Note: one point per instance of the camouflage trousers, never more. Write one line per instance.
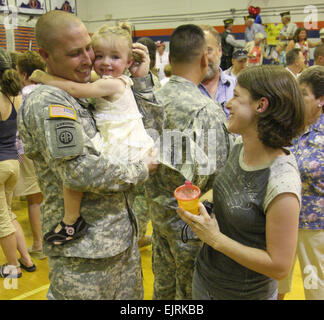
(141, 210)
(113, 278)
(173, 266)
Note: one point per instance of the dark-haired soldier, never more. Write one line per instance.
(196, 122)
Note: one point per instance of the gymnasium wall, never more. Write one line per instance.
(157, 19)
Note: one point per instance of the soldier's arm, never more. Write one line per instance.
(215, 140)
(96, 174)
(152, 111)
(143, 88)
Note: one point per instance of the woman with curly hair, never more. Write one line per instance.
(300, 41)
(250, 239)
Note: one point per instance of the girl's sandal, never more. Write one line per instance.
(67, 232)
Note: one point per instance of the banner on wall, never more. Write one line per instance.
(3, 5)
(69, 6)
(31, 6)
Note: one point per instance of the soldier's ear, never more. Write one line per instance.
(43, 53)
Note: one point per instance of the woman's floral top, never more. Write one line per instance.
(309, 152)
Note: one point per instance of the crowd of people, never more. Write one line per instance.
(98, 132)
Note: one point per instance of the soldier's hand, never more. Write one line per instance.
(140, 67)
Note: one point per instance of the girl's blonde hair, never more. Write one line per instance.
(110, 33)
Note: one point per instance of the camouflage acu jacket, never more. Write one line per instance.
(194, 145)
(59, 134)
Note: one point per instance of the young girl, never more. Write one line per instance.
(116, 115)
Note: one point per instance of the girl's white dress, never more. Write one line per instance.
(121, 126)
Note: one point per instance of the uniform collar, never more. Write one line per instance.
(175, 78)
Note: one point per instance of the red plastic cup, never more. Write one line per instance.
(187, 196)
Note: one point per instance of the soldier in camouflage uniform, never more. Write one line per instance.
(58, 133)
(201, 122)
(140, 202)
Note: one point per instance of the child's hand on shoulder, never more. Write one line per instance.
(140, 67)
(38, 76)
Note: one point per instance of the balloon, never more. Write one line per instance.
(254, 11)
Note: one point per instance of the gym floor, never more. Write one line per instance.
(34, 286)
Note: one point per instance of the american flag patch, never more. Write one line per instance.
(58, 111)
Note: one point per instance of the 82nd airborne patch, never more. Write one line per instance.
(65, 134)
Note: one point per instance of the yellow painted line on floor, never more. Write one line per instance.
(30, 293)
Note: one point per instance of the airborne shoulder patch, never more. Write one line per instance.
(60, 111)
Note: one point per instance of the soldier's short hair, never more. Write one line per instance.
(30, 61)
(186, 43)
(50, 24)
(283, 119)
(292, 55)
